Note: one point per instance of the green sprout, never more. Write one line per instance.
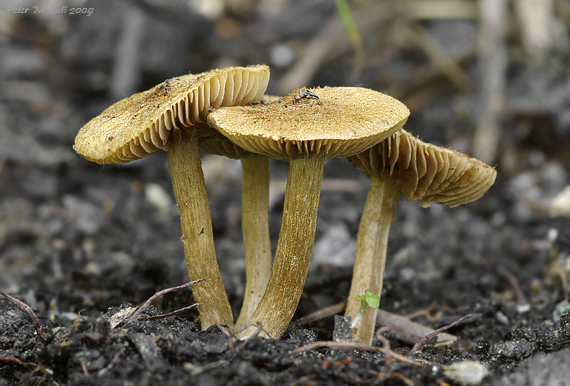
(345, 14)
(369, 299)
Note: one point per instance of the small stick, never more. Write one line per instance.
(388, 359)
(521, 300)
(402, 378)
(408, 330)
(426, 313)
(176, 312)
(227, 333)
(320, 314)
(435, 333)
(256, 333)
(84, 368)
(160, 293)
(492, 61)
(400, 325)
(260, 329)
(447, 66)
(34, 318)
(18, 361)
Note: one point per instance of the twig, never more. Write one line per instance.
(158, 294)
(84, 368)
(35, 320)
(402, 378)
(535, 20)
(258, 331)
(196, 370)
(425, 81)
(404, 328)
(18, 361)
(408, 330)
(435, 333)
(126, 74)
(438, 9)
(493, 62)
(227, 333)
(426, 313)
(388, 360)
(521, 300)
(446, 65)
(387, 371)
(320, 314)
(176, 312)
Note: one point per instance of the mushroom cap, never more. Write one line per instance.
(342, 121)
(219, 145)
(427, 173)
(141, 124)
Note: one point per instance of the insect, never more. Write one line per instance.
(165, 87)
(304, 93)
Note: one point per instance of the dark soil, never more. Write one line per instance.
(82, 244)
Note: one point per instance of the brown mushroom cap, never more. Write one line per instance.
(218, 144)
(342, 121)
(143, 123)
(427, 173)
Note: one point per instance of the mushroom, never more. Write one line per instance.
(321, 123)
(422, 172)
(171, 117)
(255, 219)
(255, 215)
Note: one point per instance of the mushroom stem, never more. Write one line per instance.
(294, 248)
(255, 225)
(370, 258)
(197, 234)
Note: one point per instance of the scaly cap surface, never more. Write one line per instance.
(141, 124)
(342, 121)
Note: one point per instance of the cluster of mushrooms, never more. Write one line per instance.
(225, 112)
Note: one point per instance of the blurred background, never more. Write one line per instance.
(490, 78)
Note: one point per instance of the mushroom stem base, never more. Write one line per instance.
(370, 258)
(294, 248)
(197, 234)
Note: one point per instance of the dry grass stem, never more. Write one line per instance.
(160, 293)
